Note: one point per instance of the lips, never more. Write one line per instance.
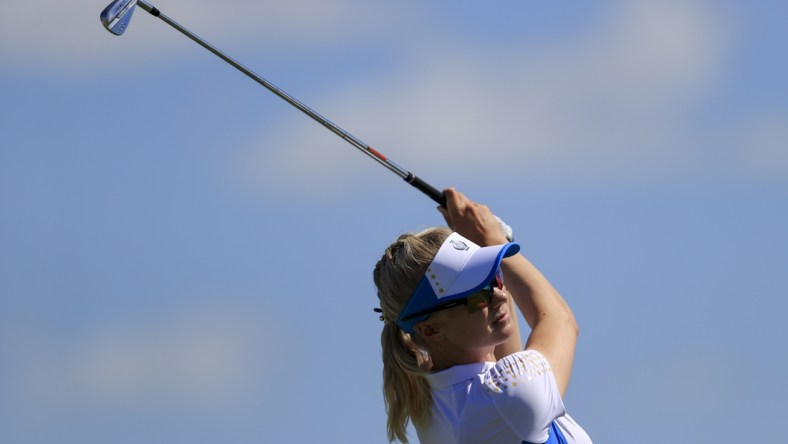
(501, 318)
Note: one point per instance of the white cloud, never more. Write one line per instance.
(69, 37)
(207, 360)
(204, 359)
(610, 101)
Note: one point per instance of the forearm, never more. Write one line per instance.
(536, 298)
(532, 294)
(554, 329)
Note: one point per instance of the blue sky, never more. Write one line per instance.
(186, 258)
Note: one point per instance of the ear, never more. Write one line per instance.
(428, 332)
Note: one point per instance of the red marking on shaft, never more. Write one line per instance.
(376, 153)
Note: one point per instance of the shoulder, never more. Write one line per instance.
(517, 369)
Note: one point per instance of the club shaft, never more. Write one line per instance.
(409, 177)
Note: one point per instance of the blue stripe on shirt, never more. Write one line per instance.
(555, 436)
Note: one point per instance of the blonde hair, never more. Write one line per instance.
(405, 357)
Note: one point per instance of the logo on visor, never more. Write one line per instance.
(459, 245)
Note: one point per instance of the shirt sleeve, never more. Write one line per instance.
(522, 388)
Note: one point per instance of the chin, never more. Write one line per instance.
(504, 331)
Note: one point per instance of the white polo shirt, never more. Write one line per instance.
(512, 401)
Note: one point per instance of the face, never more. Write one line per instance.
(461, 330)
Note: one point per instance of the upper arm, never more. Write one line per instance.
(553, 327)
(556, 340)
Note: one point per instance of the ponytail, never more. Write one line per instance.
(405, 389)
(405, 358)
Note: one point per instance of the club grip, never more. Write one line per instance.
(427, 189)
(438, 197)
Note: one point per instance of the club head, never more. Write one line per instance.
(115, 17)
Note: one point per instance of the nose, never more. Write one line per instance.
(499, 297)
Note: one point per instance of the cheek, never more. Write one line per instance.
(463, 326)
(477, 324)
(479, 307)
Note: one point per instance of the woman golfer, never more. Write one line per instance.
(453, 363)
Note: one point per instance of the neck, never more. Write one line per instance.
(445, 359)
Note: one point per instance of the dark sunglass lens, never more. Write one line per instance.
(477, 301)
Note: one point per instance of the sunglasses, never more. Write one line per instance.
(474, 302)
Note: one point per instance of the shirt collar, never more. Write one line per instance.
(459, 373)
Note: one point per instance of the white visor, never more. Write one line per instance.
(460, 268)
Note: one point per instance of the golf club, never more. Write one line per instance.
(116, 16)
